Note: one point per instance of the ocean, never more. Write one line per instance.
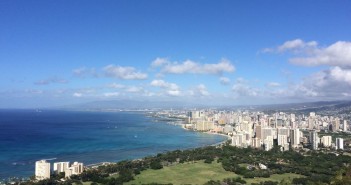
(89, 137)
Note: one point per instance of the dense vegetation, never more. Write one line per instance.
(316, 167)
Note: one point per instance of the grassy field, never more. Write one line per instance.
(196, 173)
(189, 173)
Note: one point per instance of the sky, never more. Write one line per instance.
(55, 53)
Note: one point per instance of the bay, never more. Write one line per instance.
(89, 137)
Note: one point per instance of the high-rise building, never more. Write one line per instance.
(283, 131)
(256, 143)
(314, 140)
(60, 167)
(345, 126)
(339, 144)
(266, 132)
(295, 137)
(237, 140)
(292, 117)
(282, 140)
(268, 143)
(75, 169)
(336, 125)
(258, 131)
(326, 141)
(42, 170)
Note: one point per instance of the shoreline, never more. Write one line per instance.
(175, 122)
(96, 165)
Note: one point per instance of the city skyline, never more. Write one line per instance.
(229, 53)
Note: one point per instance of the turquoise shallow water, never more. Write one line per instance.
(88, 137)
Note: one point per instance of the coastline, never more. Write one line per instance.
(27, 169)
(176, 123)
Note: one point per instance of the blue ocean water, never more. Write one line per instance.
(89, 137)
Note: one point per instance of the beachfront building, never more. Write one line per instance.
(76, 169)
(204, 125)
(60, 167)
(42, 170)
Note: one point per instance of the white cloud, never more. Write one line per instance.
(310, 54)
(77, 94)
(51, 81)
(116, 86)
(126, 73)
(224, 80)
(33, 91)
(337, 54)
(190, 66)
(85, 72)
(273, 84)
(134, 89)
(173, 92)
(163, 84)
(292, 45)
(171, 89)
(159, 62)
(242, 89)
(202, 90)
(111, 94)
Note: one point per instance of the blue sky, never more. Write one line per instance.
(213, 52)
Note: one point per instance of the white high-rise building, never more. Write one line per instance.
(42, 170)
(314, 139)
(339, 143)
(345, 126)
(268, 143)
(237, 140)
(266, 132)
(326, 141)
(60, 167)
(75, 169)
(282, 140)
(295, 138)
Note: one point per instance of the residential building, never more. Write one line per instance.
(339, 144)
(42, 170)
(60, 167)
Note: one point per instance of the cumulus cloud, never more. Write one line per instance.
(202, 90)
(125, 73)
(331, 83)
(272, 84)
(111, 94)
(77, 95)
(292, 45)
(51, 81)
(159, 62)
(163, 84)
(224, 80)
(242, 88)
(116, 86)
(192, 67)
(311, 54)
(171, 89)
(173, 92)
(85, 72)
(337, 54)
(134, 89)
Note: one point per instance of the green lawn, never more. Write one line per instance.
(197, 173)
(188, 173)
(275, 177)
